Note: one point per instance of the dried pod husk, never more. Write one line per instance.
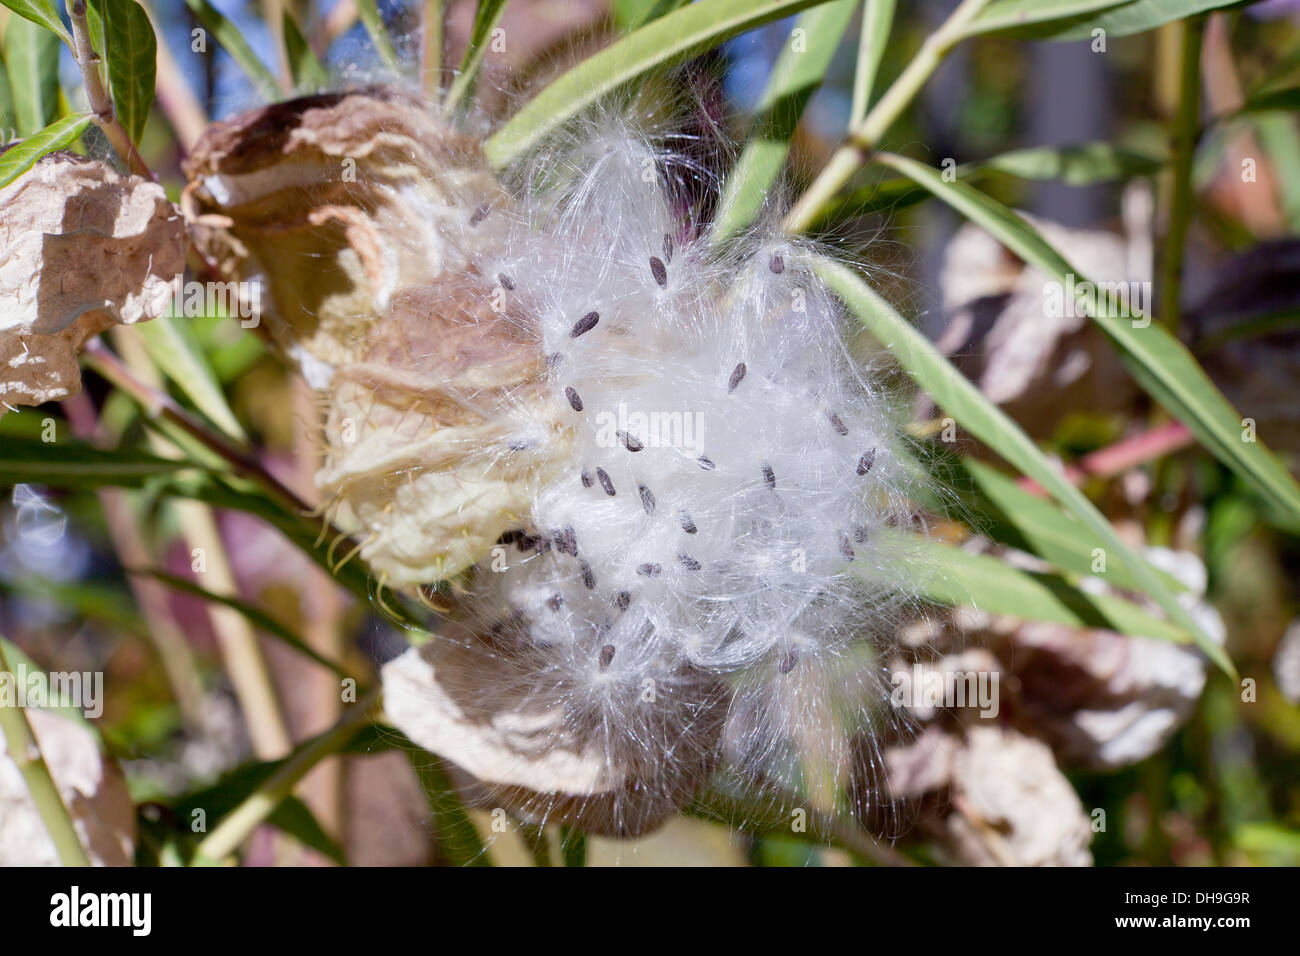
(85, 248)
(368, 218)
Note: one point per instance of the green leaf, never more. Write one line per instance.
(1137, 16)
(32, 61)
(232, 40)
(42, 12)
(132, 54)
(1160, 363)
(18, 159)
(1042, 15)
(1033, 524)
(307, 71)
(71, 464)
(877, 22)
(257, 617)
(950, 576)
(1082, 165)
(799, 70)
(964, 402)
(7, 118)
(173, 349)
(458, 841)
(486, 18)
(630, 14)
(368, 10)
(670, 39)
(1282, 99)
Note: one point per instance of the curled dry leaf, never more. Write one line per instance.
(366, 216)
(84, 248)
(92, 788)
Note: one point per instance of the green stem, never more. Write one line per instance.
(240, 823)
(862, 139)
(877, 18)
(431, 67)
(26, 753)
(1182, 151)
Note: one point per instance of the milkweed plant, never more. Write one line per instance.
(616, 477)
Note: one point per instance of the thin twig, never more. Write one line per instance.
(101, 104)
(1123, 455)
(863, 138)
(26, 753)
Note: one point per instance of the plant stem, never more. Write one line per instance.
(877, 19)
(24, 751)
(431, 62)
(1123, 455)
(1182, 151)
(862, 139)
(240, 823)
(100, 103)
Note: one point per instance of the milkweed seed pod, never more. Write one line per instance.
(672, 496)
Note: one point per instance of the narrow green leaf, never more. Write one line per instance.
(457, 839)
(294, 818)
(7, 118)
(1161, 364)
(18, 159)
(486, 18)
(42, 12)
(1044, 15)
(1280, 99)
(368, 10)
(173, 349)
(798, 71)
(72, 464)
(1137, 16)
(964, 402)
(232, 40)
(131, 50)
(255, 616)
(670, 39)
(32, 61)
(308, 73)
(950, 576)
(1035, 525)
(877, 22)
(630, 14)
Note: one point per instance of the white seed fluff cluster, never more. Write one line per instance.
(711, 562)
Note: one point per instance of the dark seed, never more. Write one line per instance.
(586, 478)
(480, 214)
(866, 461)
(706, 462)
(769, 476)
(605, 483)
(846, 548)
(509, 537)
(630, 443)
(860, 534)
(507, 283)
(647, 499)
(838, 425)
(572, 395)
(584, 324)
(622, 599)
(658, 270)
(588, 576)
(555, 602)
(737, 374)
(788, 662)
(689, 563)
(687, 524)
(668, 248)
(553, 359)
(566, 541)
(606, 655)
(650, 570)
(777, 263)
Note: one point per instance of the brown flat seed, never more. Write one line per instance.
(838, 425)
(649, 570)
(622, 599)
(629, 442)
(846, 548)
(687, 524)
(507, 283)
(689, 563)
(584, 324)
(769, 476)
(588, 576)
(605, 483)
(737, 375)
(706, 462)
(606, 655)
(572, 395)
(586, 478)
(480, 214)
(866, 461)
(776, 263)
(788, 662)
(659, 271)
(647, 499)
